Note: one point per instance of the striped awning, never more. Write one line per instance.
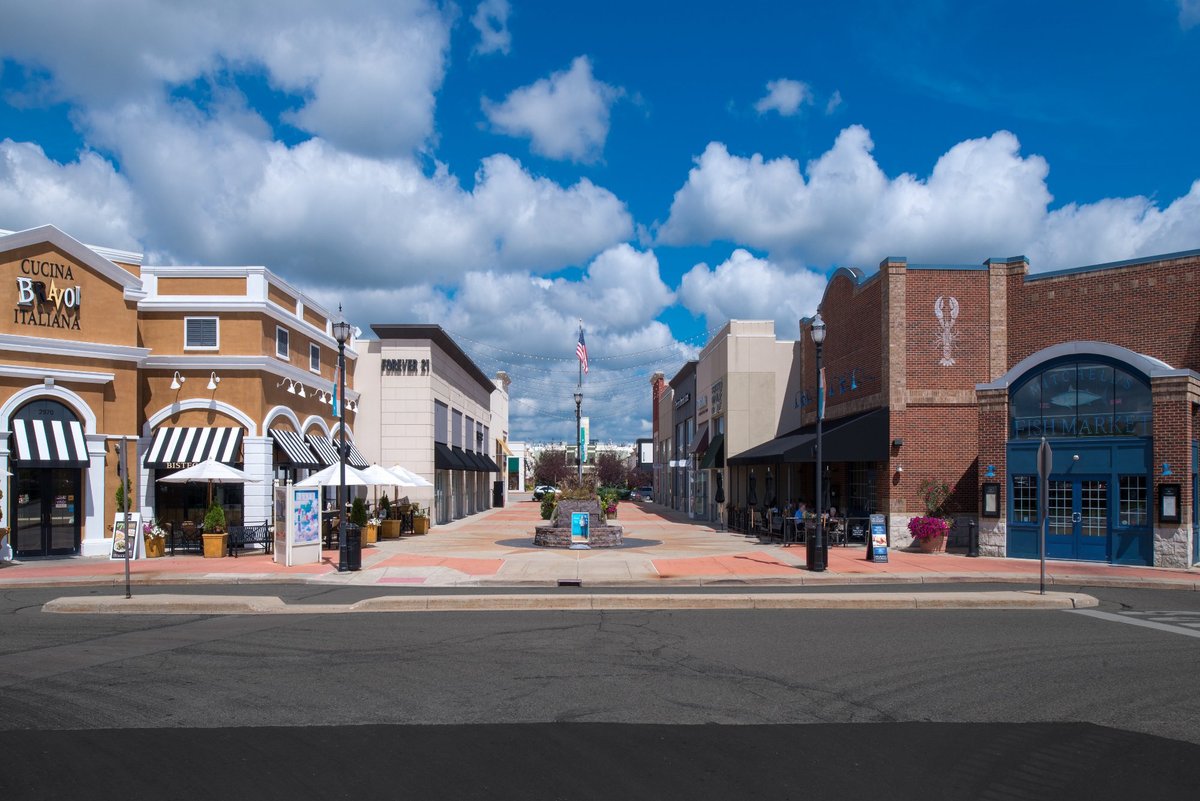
(180, 447)
(292, 444)
(49, 443)
(325, 449)
(354, 456)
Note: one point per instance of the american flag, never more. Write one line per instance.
(581, 351)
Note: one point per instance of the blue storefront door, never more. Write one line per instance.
(1078, 515)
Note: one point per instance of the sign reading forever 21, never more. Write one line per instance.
(42, 301)
(404, 366)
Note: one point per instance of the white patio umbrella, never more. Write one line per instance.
(213, 472)
(332, 476)
(407, 477)
(380, 476)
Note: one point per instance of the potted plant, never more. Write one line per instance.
(371, 530)
(156, 539)
(421, 521)
(389, 527)
(216, 541)
(929, 531)
(358, 516)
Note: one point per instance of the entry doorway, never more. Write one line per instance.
(46, 510)
(1078, 519)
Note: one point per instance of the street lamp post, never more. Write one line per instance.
(815, 556)
(341, 332)
(578, 437)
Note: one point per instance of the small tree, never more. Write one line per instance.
(122, 491)
(214, 519)
(552, 468)
(384, 507)
(611, 470)
(935, 494)
(358, 512)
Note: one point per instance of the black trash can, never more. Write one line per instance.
(811, 559)
(498, 494)
(350, 555)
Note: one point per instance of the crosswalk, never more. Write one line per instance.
(1186, 623)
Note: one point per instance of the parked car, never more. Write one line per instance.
(646, 493)
(541, 490)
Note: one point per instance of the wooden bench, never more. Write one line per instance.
(245, 536)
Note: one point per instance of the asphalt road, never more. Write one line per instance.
(943, 704)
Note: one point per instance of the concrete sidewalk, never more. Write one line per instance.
(663, 549)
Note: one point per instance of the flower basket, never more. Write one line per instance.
(420, 524)
(929, 533)
(155, 537)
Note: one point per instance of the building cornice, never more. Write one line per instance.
(70, 347)
(48, 234)
(66, 376)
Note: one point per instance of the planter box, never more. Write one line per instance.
(215, 545)
(156, 547)
(420, 525)
(390, 529)
(370, 535)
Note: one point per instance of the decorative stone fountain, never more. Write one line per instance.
(557, 533)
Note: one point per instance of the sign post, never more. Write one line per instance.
(1045, 463)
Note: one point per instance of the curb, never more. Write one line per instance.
(270, 605)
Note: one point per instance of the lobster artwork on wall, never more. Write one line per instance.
(946, 312)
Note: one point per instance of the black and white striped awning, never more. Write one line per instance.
(327, 451)
(180, 447)
(324, 448)
(49, 443)
(292, 444)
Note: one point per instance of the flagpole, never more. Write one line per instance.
(578, 419)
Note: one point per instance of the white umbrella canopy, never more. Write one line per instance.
(408, 478)
(332, 477)
(380, 476)
(211, 471)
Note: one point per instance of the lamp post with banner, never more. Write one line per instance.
(815, 555)
(341, 332)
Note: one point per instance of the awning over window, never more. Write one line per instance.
(489, 464)
(354, 456)
(49, 443)
(702, 445)
(714, 457)
(465, 462)
(447, 458)
(179, 447)
(859, 438)
(292, 444)
(504, 447)
(324, 448)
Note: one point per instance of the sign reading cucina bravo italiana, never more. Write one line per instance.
(42, 301)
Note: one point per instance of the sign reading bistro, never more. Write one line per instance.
(47, 306)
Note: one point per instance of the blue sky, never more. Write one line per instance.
(506, 168)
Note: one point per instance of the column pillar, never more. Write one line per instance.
(93, 542)
(257, 460)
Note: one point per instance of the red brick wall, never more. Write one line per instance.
(1151, 308)
(853, 352)
(970, 345)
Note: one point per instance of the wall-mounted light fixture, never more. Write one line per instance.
(991, 471)
(899, 468)
(213, 380)
(177, 381)
(1166, 469)
(897, 442)
(302, 393)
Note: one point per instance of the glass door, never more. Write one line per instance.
(1078, 514)
(47, 511)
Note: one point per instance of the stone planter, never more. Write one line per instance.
(932, 544)
(420, 525)
(390, 529)
(156, 547)
(370, 534)
(215, 545)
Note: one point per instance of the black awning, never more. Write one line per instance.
(481, 462)
(464, 462)
(326, 451)
(702, 445)
(489, 464)
(443, 457)
(714, 457)
(859, 438)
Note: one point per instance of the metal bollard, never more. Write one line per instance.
(972, 539)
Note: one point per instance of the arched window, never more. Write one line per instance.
(1080, 398)
(45, 409)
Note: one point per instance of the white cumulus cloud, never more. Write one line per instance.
(566, 116)
(748, 288)
(364, 72)
(785, 96)
(491, 20)
(1189, 13)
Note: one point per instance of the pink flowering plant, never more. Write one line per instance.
(923, 528)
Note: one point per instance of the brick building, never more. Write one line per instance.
(955, 372)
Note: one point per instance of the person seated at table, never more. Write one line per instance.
(801, 513)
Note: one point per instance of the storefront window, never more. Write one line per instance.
(1080, 399)
(1134, 511)
(1024, 498)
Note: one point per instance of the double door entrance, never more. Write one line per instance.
(45, 510)
(1078, 519)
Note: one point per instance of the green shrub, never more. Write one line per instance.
(549, 501)
(358, 512)
(214, 519)
(122, 492)
(384, 507)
